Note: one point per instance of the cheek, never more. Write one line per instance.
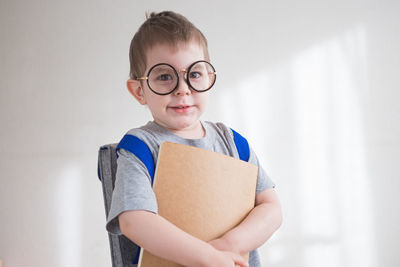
(157, 102)
(204, 99)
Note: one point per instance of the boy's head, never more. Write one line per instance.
(170, 72)
(166, 28)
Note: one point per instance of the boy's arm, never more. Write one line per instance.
(160, 237)
(256, 228)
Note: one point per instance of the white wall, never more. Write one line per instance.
(312, 84)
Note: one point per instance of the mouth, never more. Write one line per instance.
(181, 108)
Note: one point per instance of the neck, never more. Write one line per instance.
(195, 132)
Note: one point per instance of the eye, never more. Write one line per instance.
(165, 77)
(194, 75)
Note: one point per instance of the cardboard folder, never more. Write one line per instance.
(202, 192)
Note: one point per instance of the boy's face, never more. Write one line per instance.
(179, 111)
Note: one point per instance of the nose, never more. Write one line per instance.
(183, 87)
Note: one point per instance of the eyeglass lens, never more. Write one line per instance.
(163, 78)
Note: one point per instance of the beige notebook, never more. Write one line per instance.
(202, 192)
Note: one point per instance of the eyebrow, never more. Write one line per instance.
(161, 68)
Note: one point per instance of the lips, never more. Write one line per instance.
(181, 108)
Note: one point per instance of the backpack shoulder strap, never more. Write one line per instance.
(140, 149)
(242, 146)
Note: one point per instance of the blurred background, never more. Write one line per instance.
(313, 85)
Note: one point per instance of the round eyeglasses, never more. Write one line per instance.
(163, 79)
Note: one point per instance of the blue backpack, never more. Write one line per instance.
(139, 148)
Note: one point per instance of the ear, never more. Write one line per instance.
(135, 88)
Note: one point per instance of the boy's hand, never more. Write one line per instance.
(228, 259)
(223, 246)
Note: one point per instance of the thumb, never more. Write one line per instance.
(239, 261)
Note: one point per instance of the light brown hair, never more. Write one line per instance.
(166, 27)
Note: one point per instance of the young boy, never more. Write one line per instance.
(171, 74)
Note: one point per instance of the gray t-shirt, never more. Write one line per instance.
(133, 189)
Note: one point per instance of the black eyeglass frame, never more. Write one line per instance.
(186, 71)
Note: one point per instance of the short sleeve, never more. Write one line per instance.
(263, 180)
(132, 191)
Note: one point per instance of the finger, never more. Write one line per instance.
(239, 261)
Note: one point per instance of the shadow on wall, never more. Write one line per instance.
(69, 201)
(312, 104)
